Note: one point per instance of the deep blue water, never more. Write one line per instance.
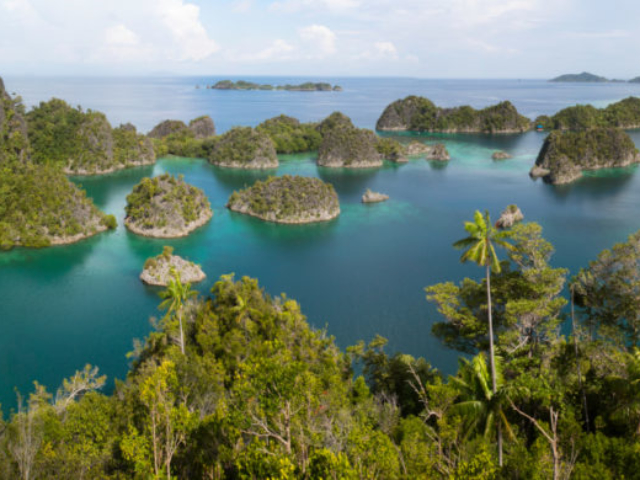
(359, 275)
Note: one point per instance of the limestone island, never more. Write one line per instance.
(374, 197)
(40, 206)
(287, 199)
(500, 155)
(420, 114)
(174, 137)
(509, 217)
(166, 207)
(391, 150)
(160, 270)
(244, 148)
(635, 80)
(83, 142)
(564, 155)
(199, 128)
(624, 114)
(346, 146)
(303, 87)
(584, 77)
(436, 151)
(289, 135)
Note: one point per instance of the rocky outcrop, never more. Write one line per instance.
(166, 207)
(287, 199)
(391, 150)
(202, 127)
(500, 155)
(166, 128)
(421, 115)
(13, 125)
(415, 148)
(245, 148)
(509, 217)
(439, 153)
(374, 197)
(344, 145)
(160, 270)
(564, 155)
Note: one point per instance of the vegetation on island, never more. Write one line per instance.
(166, 206)
(244, 147)
(83, 142)
(236, 384)
(344, 145)
(623, 114)
(564, 155)
(174, 137)
(422, 115)
(39, 206)
(162, 269)
(290, 136)
(303, 87)
(391, 150)
(287, 199)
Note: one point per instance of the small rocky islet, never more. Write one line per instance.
(161, 269)
(374, 197)
(166, 207)
(287, 199)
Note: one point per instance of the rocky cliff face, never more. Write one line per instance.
(13, 126)
(420, 114)
(159, 271)
(202, 127)
(564, 155)
(166, 128)
(246, 148)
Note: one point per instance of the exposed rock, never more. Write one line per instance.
(246, 148)
(333, 121)
(391, 150)
(374, 197)
(418, 148)
(420, 114)
(509, 217)
(500, 155)
(349, 147)
(159, 271)
(287, 199)
(166, 207)
(439, 153)
(564, 155)
(202, 127)
(166, 128)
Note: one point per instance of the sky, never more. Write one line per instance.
(415, 38)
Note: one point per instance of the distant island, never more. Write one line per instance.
(586, 77)
(287, 199)
(303, 87)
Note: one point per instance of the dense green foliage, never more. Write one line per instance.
(287, 199)
(244, 85)
(165, 202)
(344, 145)
(244, 147)
(580, 77)
(237, 385)
(290, 136)
(422, 115)
(622, 114)
(390, 149)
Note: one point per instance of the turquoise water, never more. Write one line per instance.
(359, 275)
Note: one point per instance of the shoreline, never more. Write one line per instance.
(199, 222)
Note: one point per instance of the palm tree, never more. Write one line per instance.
(175, 296)
(478, 404)
(479, 248)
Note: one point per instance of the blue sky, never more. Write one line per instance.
(419, 38)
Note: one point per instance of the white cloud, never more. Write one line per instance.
(320, 40)
(120, 35)
(333, 6)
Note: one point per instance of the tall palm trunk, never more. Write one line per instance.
(181, 333)
(492, 360)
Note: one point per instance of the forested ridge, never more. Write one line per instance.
(236, 384)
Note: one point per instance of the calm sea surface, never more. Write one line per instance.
(360, 275)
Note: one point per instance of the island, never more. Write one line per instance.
(624, 114)
(83, 142)
(635, 80)
(346, 146)
(160, 270)
(166, 207)
(244, 148)
(289, 135)
(584, 77)
(287, 199)
(199, 128)
(509, 217)
(391, 150)
(420, 114)
(174, 137)
(500, 155)
(436, 151)
(564, 155)
(374, 197)
(303, 87)
(40, 206)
